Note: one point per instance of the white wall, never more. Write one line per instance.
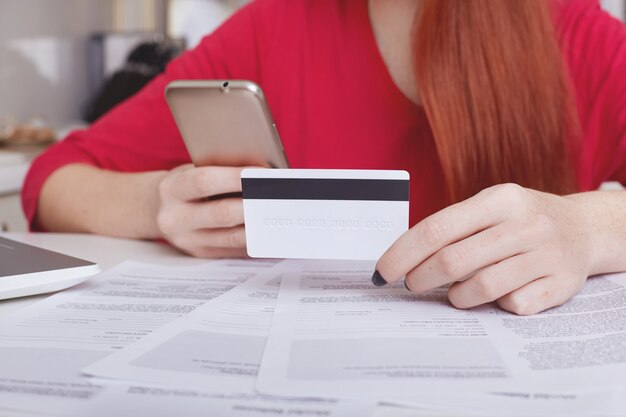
(43, 51)
(193, 19)
(615, 7)
(43, 55)
(139, 15)
(43, 46)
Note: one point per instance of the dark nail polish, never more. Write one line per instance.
(378, 279)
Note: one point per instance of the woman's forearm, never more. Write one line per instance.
(82, 198)
(605, 227)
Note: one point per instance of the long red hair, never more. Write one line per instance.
(497, 95)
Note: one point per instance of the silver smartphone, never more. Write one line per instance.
(225, 123)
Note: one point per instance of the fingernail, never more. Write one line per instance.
(378, 279)
(406, 285)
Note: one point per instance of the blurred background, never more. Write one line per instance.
(56, 55)
(63, 63)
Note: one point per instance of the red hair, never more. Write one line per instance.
(497, 95)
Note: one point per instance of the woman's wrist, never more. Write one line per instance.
(149, 229)
(602, 217)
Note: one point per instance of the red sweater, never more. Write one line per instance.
(334, 101)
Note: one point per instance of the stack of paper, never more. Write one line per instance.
(306, 338)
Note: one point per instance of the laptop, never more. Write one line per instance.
(28, 270)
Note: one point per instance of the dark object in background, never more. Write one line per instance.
(143, 63)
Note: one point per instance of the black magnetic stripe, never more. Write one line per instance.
(324, 189)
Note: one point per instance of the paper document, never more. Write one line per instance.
(49, 380)
(119, 306)
(332, 332)
(133, 401)
(217, 347)
(45, 345)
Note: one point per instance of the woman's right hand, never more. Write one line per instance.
(193, 222)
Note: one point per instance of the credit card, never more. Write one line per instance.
(323, 214)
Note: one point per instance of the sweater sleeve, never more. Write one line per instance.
(140, 133)
(596, 53)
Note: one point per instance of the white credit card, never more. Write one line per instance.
(322, 213)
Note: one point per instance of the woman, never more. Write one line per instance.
(512, 110)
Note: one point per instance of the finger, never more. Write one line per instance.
(456, 222)
(224, 213)
(201, 182)
(464, 258)
(234, 237)
(541, 294)
(497, 280)
(183, 167)
(213, 253)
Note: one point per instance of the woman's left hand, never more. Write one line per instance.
(525, 249)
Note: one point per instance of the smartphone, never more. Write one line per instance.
(226, 123)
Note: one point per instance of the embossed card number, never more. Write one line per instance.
(333, 224)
